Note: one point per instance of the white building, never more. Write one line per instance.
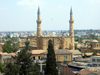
(81, 33)
(95, 60)
(6, 58)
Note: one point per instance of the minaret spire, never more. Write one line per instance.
(39, 33)
(38, 10)
(71, 11)
(71, 31)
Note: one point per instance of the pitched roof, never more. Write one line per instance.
(12, 54)
(89, 54)
(90, 71)
(37, 51)
(60, 51)
(84, 71)
(2, 43)
(4, 54)
(75, 51)
(94, 41)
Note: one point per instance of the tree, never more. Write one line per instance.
(14, 39)
(11, 69)
(7, 48)
(1, 68)
(23, 66)
(15, 47)
(80, 39)
(9, 42)
(94, 54)
(79, 49)
(75, 46)
(25, 62)
(27, 44)
(85, 56)
(8, 36)
(30, 48)
(51, 61)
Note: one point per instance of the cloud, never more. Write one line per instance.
(31, 3)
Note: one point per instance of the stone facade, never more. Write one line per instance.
(94, 47)
(41, 42)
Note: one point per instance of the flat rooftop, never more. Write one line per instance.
(79, 64)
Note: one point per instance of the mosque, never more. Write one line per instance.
(40, 42)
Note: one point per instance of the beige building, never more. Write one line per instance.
(61, 55)
(95, 44)
(94, 47)
(36, 54)
(40, 41)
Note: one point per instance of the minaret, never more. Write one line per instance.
(39, 33)
(71, 31)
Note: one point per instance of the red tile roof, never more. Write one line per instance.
(37, 51)
(2, 43)
(89, 70)
(12, 54)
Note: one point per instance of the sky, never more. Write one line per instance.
(21, 15)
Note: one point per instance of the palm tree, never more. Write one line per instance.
(27, 44)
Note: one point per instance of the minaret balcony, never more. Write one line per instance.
(38, 21)
(71, 21)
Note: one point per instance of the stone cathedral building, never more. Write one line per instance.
(40, 42)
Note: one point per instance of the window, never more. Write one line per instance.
(33, 58)
(65, 58)
(98, 60)
(59, 57)
(38, 57)
(93, 60)
(91, 45)
(97, 45)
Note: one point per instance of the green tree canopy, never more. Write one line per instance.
(11, 69)
(75, 46)
(27, 44)
(15, 47)
(85, 56)
(7, 48)
(9, 42)
(1, 68)
(94, 54)
(23, 66)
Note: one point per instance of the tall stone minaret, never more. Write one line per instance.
(71, 31)
(39, 33)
